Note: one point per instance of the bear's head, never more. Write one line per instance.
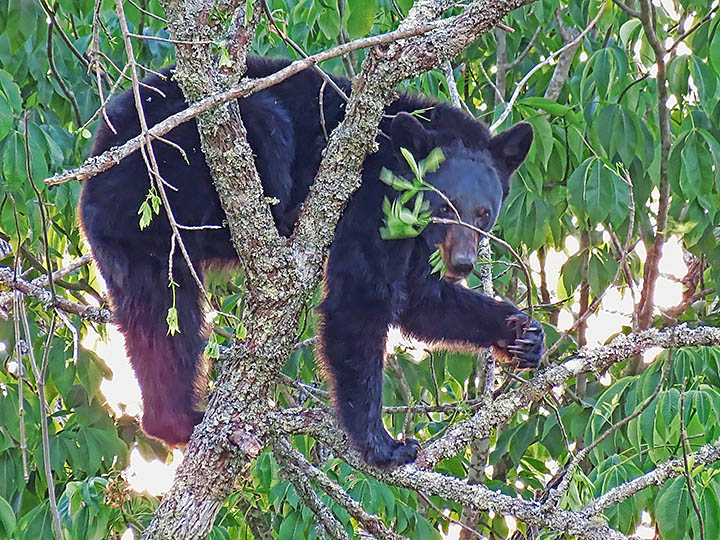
(474, 177)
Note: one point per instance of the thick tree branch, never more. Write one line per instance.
(324, 427)
(710, 453)
(96, 164)
(594, 360)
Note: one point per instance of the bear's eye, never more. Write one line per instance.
(482, 215)
(445, 210)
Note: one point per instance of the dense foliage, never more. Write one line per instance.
(595, 173)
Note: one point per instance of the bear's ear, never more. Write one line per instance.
(510, 147)
(406, 131)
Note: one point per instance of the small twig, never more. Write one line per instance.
(55, 26)
(146, 12)
(554, 496)
(39, 372)
(290, 470)
(320, 395)
(620, 269)
(627, 9)
(176, 146)
(61, 83)
(17, 302)
(321, 105)
(692, 29)
(97, 164)
(129, 79)
(455, 98)
(448, 518)
(372, 524)
(524, 80)
(686, 464)
(551, 402)
(503, 243)
(90, 313)
(709, 453)
(173, 41)
(41, 208)
(587, 360)
(654, 250)
(498, 94)
(149, 154)
(520, 57)
(71, 327)
(399, 376)
(287, 39)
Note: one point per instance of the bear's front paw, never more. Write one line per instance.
(529, 343)
(391, 453)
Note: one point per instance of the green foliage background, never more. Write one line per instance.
(602, 127)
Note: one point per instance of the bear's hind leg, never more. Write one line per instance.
(169, 368)
(353, 342)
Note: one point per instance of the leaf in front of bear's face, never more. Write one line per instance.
(432, 162)
(396, 182)
(411, 162)
(437, 263)
(399, 220)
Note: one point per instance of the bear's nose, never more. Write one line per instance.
(462, 264)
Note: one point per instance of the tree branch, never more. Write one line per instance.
(587, 360)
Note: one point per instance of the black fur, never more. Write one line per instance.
(370, 283)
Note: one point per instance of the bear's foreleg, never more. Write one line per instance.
(353, 344)
(446, 313)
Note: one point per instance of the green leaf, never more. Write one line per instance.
(671, 509)
(627, 133)
(360, 18)
(597, 192)
(679, 74)
(603, 71)
(605, 126)
(460, 365)
(36, 524)
(627, 30)
(172, 321)
(576, 188)
(690, 171)
(543, 139)
(11, 479)
(706, 83)
(10, 91)
(432, 162)
(669, 405)
(549, 106)
(14, 166)
(411, 161)
(6, 118)
(620, 200)
(7, 518)
(290, 527)
(710, 511)
(329, 21)
(714, 50)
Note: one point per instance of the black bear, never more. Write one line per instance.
(370, 283)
